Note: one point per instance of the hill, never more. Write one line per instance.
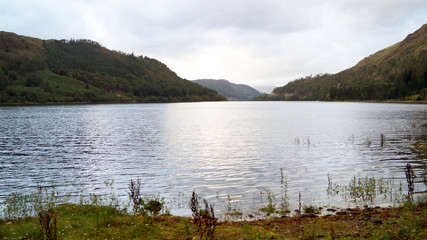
(39, 71)
(398, 72)
(232, 91)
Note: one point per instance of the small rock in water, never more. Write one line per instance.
(331, 210)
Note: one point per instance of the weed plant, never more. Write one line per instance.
(284, 198)
(383, 139)
(18, 205)
(42, 204)
(208, 221)
(270, 208)
(232, 208)
(179, 201)
(135, 196)
(368, 142)
(204, 218)
(410, 179)
(194, 206)
(310, 209)
(151, 205)
(364, 190)
(154, 205)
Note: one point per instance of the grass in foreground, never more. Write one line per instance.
(99, 222)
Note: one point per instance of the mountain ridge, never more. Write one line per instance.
(404, 47)
(39, 71)
(232, 91)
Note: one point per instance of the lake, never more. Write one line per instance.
(220, 149)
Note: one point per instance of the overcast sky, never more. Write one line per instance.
(254, 42)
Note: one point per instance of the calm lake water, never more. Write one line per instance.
(219, 148)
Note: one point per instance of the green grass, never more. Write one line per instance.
(83, 222)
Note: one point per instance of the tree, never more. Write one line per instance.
(33, 81)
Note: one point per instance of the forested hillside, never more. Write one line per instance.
(398, 72)
(40, 71)
(232, 91)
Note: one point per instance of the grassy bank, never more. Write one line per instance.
(100, 222)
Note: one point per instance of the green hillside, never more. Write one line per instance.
(232, 91)
(398, 72)
(56, 71)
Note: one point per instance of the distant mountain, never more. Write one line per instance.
(38, 71)
(232, 91)
(398, 72)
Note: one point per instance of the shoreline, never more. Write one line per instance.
(136, 102)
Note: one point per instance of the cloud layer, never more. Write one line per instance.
(255, 42)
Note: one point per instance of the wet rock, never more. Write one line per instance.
(354, 211)
(378, 222)
(369, 209)
(286, 212)
(331, 210)
(308, 215)
(367, 217)
(341, 213)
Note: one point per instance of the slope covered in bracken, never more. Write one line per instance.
(398, 72)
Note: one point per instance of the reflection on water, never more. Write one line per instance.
(235, 148)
